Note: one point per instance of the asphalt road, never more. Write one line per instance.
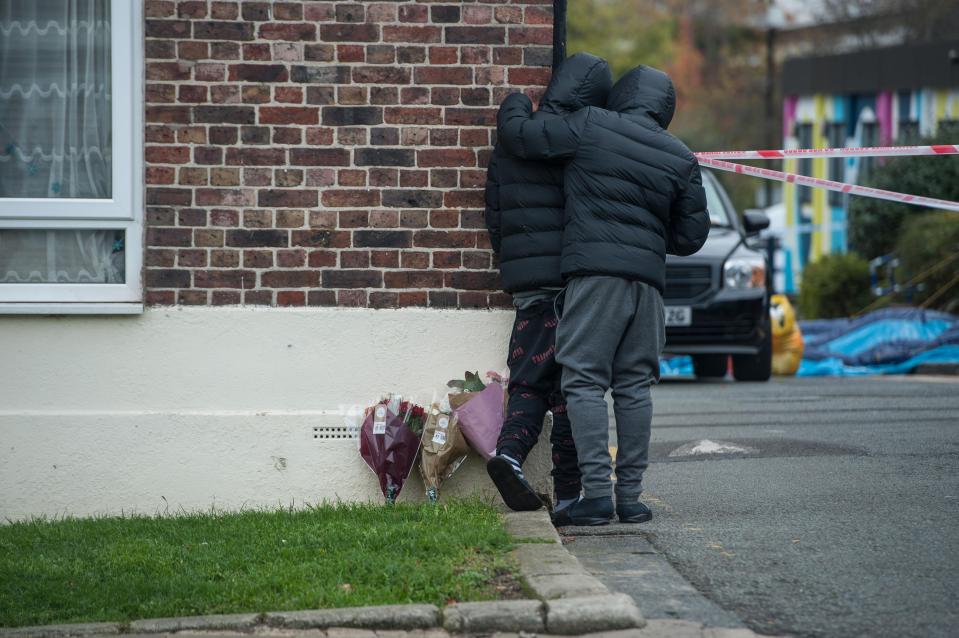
(814, 507)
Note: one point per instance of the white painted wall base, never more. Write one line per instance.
(188, 408)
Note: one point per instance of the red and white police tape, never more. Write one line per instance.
(828, 184)
(717, 160)
(865, 151)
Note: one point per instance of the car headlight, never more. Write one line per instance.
(740, 273)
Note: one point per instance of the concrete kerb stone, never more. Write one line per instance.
(347, 632)
(576, 602)
(224, 622)
(588, 614)
(540, 559)
(531, 526)
(436, 632)
(58, 631)
(380, 617)
(566, 586)
(549, 569)
(487, 617)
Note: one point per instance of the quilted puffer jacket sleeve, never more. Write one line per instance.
(492, 204)
(688, 217)
(547, 138)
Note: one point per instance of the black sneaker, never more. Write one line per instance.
(561, 517)
(509, 480)
(633, 512)
(591, 511)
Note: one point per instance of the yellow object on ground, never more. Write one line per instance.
(787, 338)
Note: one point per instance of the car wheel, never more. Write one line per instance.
(710, 365)
(756, 367)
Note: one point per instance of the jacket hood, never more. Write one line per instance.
(582, 80)
(644, 91)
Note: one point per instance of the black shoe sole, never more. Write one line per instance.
(516, 493)
(641, 518)
(590, 522)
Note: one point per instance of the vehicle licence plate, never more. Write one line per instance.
(679, 316)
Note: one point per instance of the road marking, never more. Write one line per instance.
(706, 447)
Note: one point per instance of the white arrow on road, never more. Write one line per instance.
(706, 447)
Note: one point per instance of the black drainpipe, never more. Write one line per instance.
(559, 32)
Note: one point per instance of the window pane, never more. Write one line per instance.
(55, 99)
(62, 256)
(714, 204)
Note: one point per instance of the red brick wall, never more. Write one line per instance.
(328, 153)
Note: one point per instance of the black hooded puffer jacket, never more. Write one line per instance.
(633, 192)
(524, 199)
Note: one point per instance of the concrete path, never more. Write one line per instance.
(811, 507)
(625, 561)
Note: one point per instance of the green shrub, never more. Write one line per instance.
(874, 224)
(836, 285)
(925, 241)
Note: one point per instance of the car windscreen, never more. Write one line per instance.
(718, 214)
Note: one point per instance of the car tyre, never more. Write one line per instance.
(756, 367)
(710, 366)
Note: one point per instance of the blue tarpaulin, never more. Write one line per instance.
(890, 341)
(679, 366)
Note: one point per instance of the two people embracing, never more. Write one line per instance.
(585, 197)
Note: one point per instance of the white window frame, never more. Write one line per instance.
(122, 211)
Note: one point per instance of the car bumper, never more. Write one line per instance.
(731, 322)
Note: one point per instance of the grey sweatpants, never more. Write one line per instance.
(610, 336)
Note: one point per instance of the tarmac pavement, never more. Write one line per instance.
(810, 507)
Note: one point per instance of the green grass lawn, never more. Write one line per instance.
(118, 569)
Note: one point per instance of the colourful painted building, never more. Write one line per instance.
(868, 98)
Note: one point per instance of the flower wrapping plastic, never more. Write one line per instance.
(389, 448)
(481, 417)
(444, 449)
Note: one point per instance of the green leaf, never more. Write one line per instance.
(473, 382)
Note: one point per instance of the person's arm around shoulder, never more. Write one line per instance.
(545, 138)
(493, 224)
(688, 217)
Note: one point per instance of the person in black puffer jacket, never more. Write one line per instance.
(633, 194)
(524, 215)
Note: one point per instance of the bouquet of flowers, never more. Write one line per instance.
(389, 442)
(414, 416)
(479, 408)
(444, 448)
